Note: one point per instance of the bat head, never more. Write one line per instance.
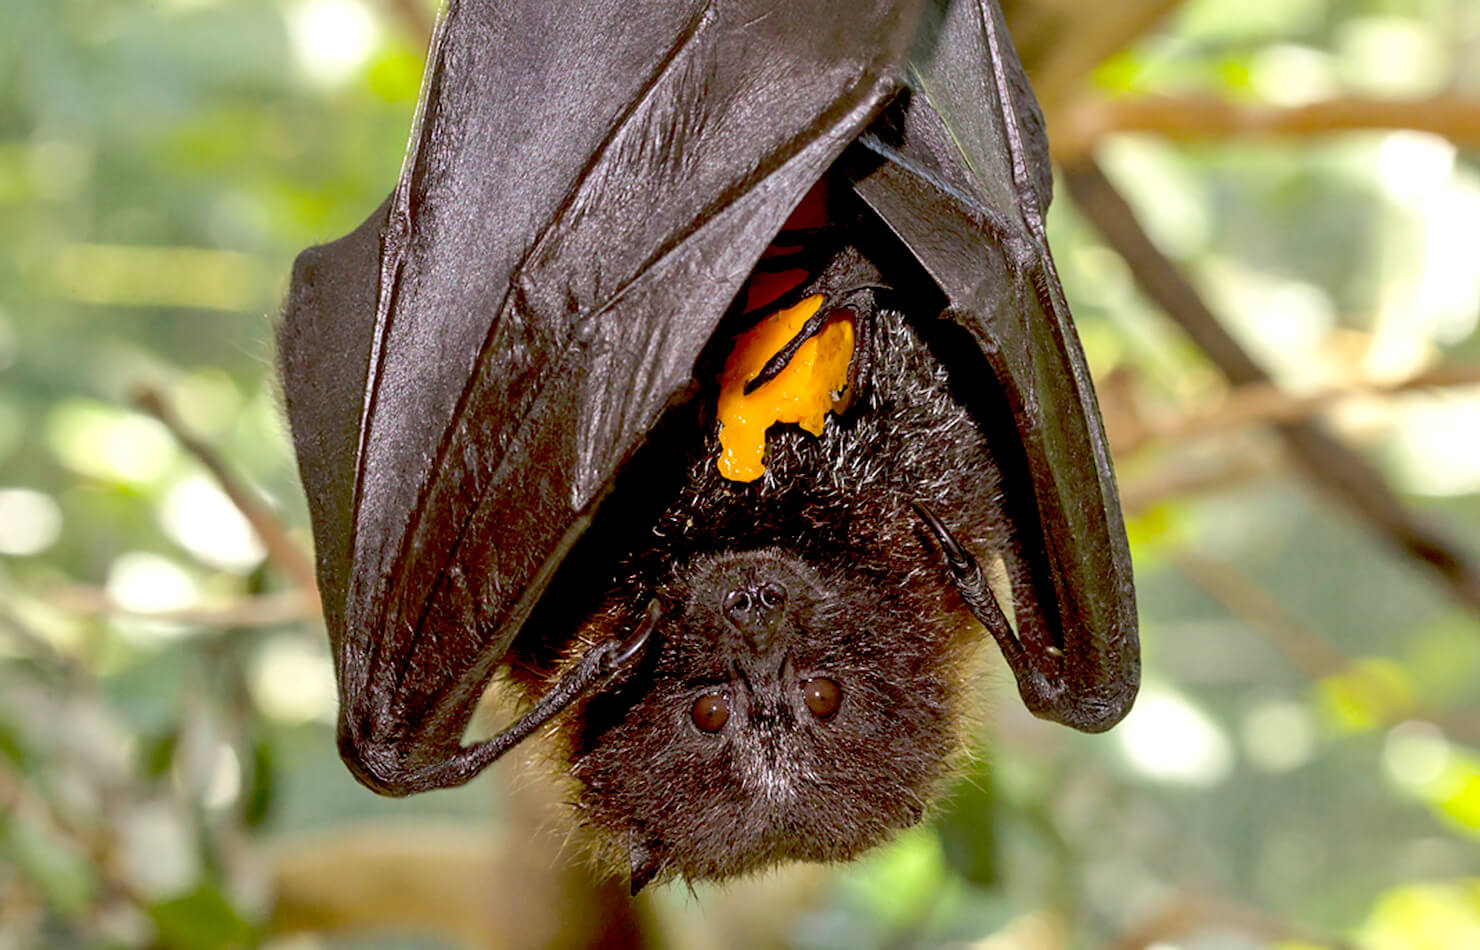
(781, 717)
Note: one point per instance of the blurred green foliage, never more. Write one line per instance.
(160, 165)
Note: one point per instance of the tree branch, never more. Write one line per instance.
(1268, 404)
(1335, 469)
(1185, 915)
(282, 549)
(415, 17)
(265, 610)
(1141, 493)
(1061, 41)
(1080, 126)
(1314, 654)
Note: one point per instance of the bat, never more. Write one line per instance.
(707, 378)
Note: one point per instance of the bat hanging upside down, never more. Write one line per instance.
(707, 376)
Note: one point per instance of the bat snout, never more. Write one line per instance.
(751, 599)
(755, 609)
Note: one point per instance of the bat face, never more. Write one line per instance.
(806, 691)
(792, 712)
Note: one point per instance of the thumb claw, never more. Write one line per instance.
(631, 647)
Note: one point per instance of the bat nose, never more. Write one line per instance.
(755, 609)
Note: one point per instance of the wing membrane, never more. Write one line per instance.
(587, 188)
(964, 182)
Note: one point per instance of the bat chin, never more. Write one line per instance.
(766, 816)
(778, 817)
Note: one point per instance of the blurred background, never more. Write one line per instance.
(1269, 227)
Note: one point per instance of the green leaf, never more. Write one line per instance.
(202, 920)
(54, 864)
(968, 830)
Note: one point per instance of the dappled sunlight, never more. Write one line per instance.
(199, 515)
(333, 38)
(293, 681)
(1168, 739)
(30, 521)
(1278, 736)
(1425, 917)
(147, 582)
(109, 443)
(137, 276)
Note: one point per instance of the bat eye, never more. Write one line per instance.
(822, 696)
(711, 712)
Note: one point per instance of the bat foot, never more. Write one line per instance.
(1040, 695)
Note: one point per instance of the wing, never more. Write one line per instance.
(964, 180)
(586, 188)
(323, 358)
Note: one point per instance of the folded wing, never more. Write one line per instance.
(961, 173)
(587, 187)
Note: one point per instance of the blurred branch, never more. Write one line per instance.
(379, 876)
(22, 795)
(1080, 126)
(1266, 403)
(38, 648)
(265, 610)
(1329, 464)
(520, 890)
(445, 881)
(282, 549)
(1059, 41)
(1062, 41)
(416, 18)
(1181, 480)
(1185, 915)
(1312, 653)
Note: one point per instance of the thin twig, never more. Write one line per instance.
(264, 610)
(1311, 652)
(1186, 915)
(1329, 464)
(1061, 41)
(416, 18)
(40, 649)
(1182, 480)
(282, 549)
(445, 880)
(1084, 123)
(1266, 403)
(95, 837)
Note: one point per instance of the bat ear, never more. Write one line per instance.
(647, 857)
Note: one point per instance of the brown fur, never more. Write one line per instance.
(869, 605)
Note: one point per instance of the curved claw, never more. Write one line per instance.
(859, 300)
(962, 564)
(1037, 690)
(599, 663)
(629, 649)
